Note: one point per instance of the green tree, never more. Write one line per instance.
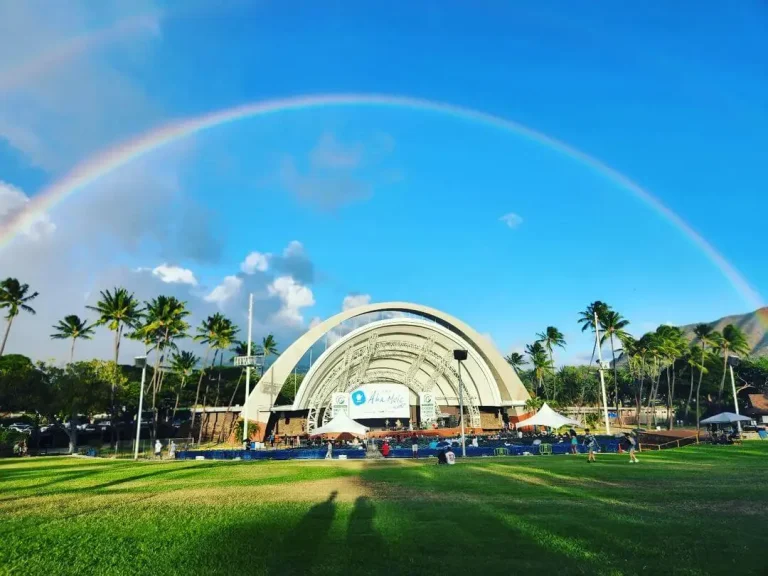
(732, 342)
(81, 388)
(707, 340)
(613, 325)
(183, 365)
(75, 328)
(14, 298)
(540, 362)
(516, 360)
(117, 309)
(587, 320)
(552, 337)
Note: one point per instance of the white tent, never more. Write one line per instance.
(549, 418)
(726, 418)
(341, 424)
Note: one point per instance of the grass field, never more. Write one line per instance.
(674, 512)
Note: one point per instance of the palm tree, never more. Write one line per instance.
(164, 323)
(183, 364)
(14, 297)
(74, 328)
(673, 345)
(117, 309)
(223, 335)
(695, 361)
(733, 341)
(516, 360)
(707, 338)
(552, 337)
(540, 362)
(613, 325)
(587, 320)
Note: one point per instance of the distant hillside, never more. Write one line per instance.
(753, 325)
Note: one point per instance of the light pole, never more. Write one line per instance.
(459, 356)
(602, 377)
(248, 369)
(139, 362)
(733, 387)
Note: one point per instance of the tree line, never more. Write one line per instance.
(644, 371)
(160, 324)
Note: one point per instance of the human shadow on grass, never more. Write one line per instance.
(363, 541)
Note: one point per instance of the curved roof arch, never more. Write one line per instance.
(266, 390)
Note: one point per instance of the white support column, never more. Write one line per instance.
(602, 377)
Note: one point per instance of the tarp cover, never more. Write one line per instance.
(549, 418)
(341, 423)
(726, 418)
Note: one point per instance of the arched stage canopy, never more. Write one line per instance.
(414, 352)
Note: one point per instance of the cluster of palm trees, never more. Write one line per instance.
(160, 324)
(652, 363)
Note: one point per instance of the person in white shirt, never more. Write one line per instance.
(158, 448)
(450, 457)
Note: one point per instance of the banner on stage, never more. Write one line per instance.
(428, 405)
(380, 401)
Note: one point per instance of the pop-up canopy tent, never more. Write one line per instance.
(341, 424)
(549, 418)
(726, 418)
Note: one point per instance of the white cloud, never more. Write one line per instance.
(175, 275)
(293, 297)
(12, 202)
(315, 321)
(512, 220)
(355, 300)
(228, 288)
(330, 153)
(294, 248)
(255, 261)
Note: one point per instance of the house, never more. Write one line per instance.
(758, 407)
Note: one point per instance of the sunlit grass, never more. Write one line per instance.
(672, 513)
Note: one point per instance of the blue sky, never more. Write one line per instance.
(392, 204)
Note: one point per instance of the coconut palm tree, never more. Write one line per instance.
(14, 297)
(552, 337)
(516, 360)
(164, 323)
(538, 355)
(707, 339)
(206, 333)
(733, 342)
(695, 361)
(182, 364)
(587, 320)
(74, 328)
(673, 346)
(613, 324)
(117, 310)
(220, 338)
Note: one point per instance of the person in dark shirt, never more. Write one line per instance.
(441, 459)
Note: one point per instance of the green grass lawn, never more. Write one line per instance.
(674, 512)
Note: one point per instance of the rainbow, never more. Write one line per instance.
(102, 164)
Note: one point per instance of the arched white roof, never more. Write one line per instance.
(510, 388)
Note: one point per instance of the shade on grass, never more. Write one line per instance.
(554, 515)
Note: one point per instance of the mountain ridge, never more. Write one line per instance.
(753, 324)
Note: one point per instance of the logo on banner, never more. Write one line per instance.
(358, 398)
(340, 404)
(379, 401)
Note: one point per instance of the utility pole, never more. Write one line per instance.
(735, 403)
(140, 361)
(602, 377)
(248, 369)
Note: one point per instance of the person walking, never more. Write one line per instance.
(632, 441)
(329, 453)
(158, 448)
(591, 443)
(574, 442)
(415, 447)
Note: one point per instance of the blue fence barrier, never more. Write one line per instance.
(606, 445)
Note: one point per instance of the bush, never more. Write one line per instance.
(7, 439)
(253, 429)
(592, 420)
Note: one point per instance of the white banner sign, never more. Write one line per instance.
(380, 401)
(428, 406)
(339, 404)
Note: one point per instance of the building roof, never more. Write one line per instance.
(758, 403)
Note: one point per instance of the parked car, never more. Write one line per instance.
(20, 427)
